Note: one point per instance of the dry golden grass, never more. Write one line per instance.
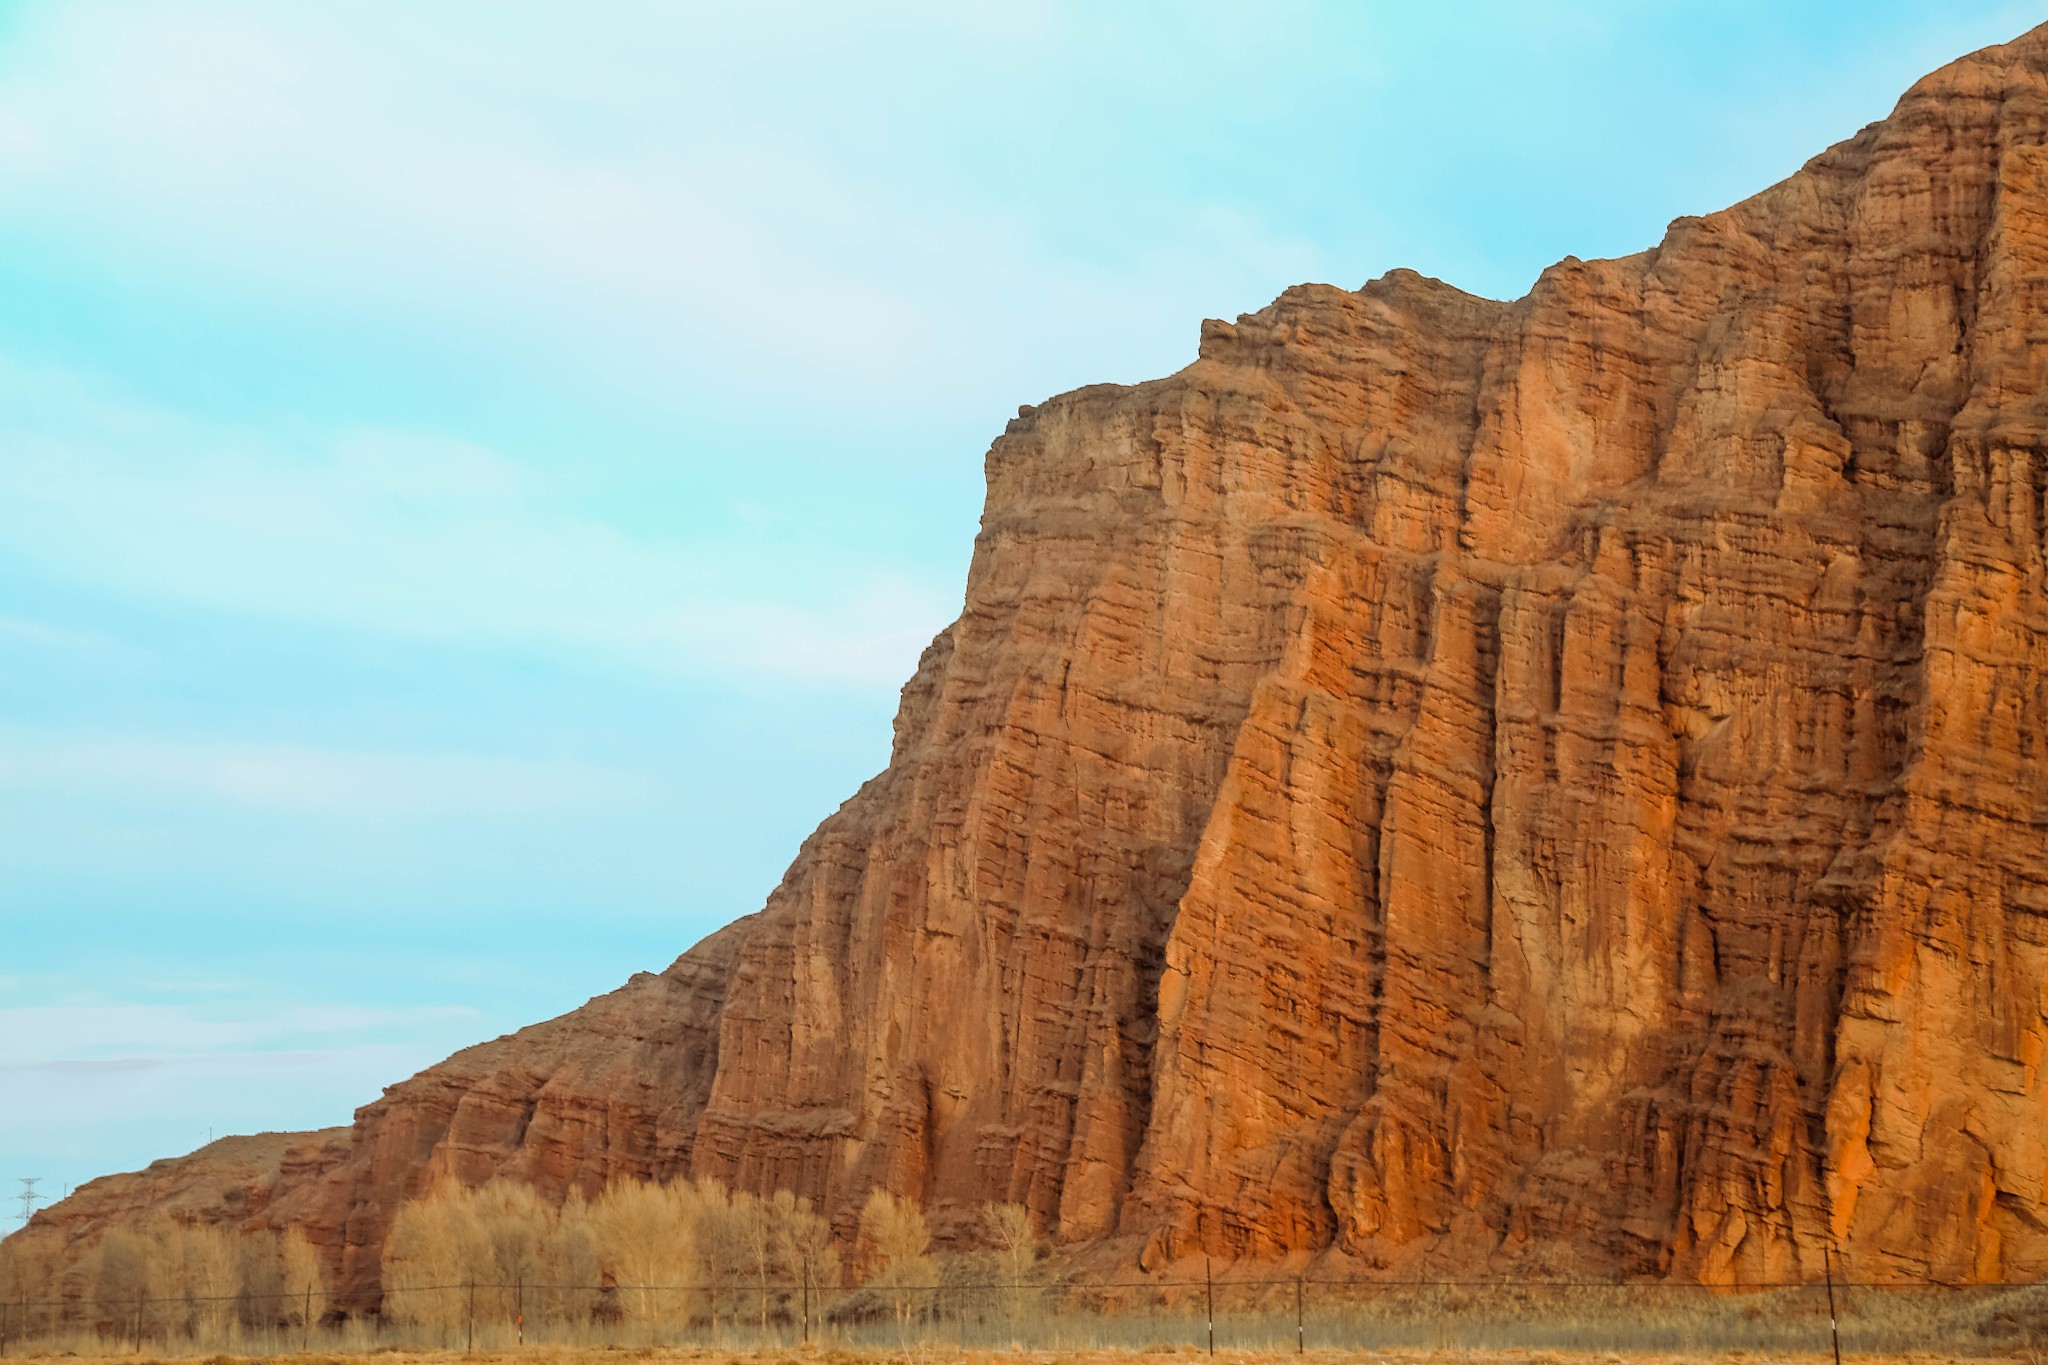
(940, 1355)
(964, 1325)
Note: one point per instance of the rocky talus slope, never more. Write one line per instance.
(1437, 781)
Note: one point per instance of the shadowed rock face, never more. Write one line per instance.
(1552, 783)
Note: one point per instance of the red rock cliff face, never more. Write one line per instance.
(1495, 784)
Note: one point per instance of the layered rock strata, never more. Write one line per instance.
(1521, 785)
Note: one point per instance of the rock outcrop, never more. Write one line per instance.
(1435, 782)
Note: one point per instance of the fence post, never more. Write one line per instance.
(1300, 1324)
(1209, 1300)
(3, 1327)
(1827, 1269)
(306, 1324)
(807, 1298)
(519, 1309)
(472, 1316)
(140, 1300)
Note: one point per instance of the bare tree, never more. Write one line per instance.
(749, 1237)
(721, 1240)
(33, 1267)
(1008, 1230)
(646, 1242)
(304, 1277)
(803, 1241)
(569, 1265)
(511, 1229)
(208, 1266)
(430, 1255)
(32, 1263)
(259, 1280)
(895, 1245)
(121, 1284)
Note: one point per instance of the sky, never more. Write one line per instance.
(474, 476)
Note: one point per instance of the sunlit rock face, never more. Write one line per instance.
(1441, 782)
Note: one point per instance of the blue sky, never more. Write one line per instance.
(473, 476)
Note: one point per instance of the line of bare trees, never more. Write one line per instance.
(666, 1252)
(675, 1254)
(164, 1280)
(665, 1257)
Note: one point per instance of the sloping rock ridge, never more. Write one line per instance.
(1435, 783)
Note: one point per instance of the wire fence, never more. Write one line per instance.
(1299, 1314)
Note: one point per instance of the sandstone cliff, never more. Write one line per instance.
(1452, 782)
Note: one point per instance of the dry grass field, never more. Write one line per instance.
(941, 1355)
(1257, 1323)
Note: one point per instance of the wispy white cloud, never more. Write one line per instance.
(299, 778)
(101, 1085)
(422, 536)
(645, 191)
(71, 1119)
(21, 635)
(43, 1035)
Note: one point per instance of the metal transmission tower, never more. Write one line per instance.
(28, 1196)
